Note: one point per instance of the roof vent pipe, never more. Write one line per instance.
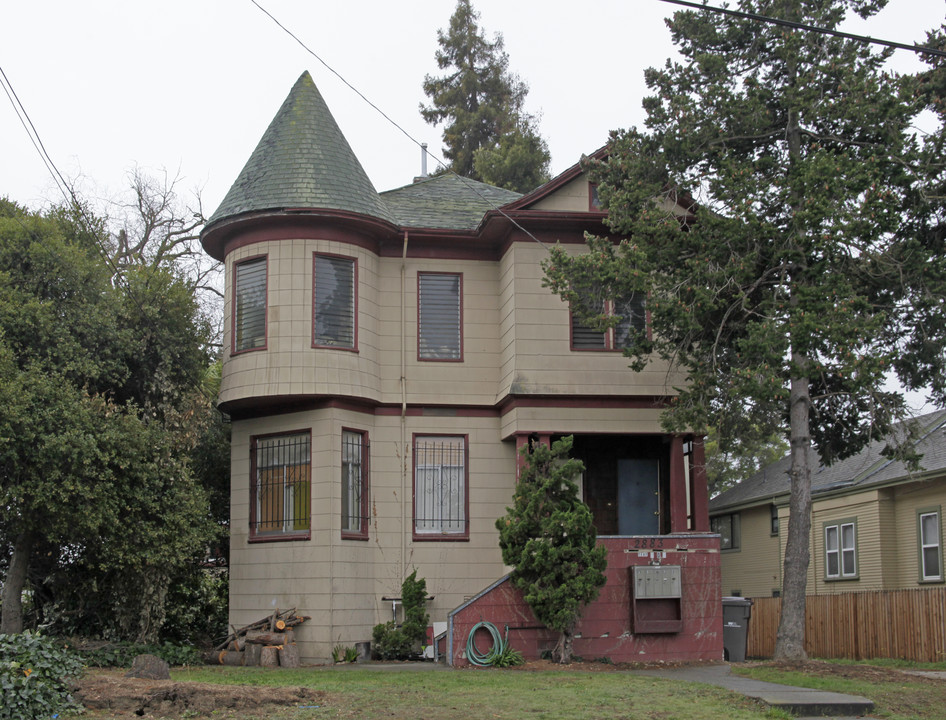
(423, 160)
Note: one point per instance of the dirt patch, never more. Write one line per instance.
(116, 694)
(868, 673)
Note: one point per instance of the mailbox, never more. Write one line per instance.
(657, 581)
(656, 594)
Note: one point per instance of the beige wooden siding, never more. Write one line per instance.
(908, 499)
(289, 365)
(571, 197)
(754, 569)
(340, 582)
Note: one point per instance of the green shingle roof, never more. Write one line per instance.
(445, 201)
(303, 161)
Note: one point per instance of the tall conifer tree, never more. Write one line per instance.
(784, 290)
(487, 134)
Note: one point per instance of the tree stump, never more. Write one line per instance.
(269, 656)
(251, 654)
(289, 656)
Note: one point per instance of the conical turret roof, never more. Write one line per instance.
(303, 161)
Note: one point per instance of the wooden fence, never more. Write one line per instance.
(906, 624)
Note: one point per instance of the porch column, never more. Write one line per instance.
(699, 498)
(521, 441)
(678, 486)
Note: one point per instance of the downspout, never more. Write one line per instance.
(403, 567)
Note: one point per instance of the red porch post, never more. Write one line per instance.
(678, 486)
(699, 499)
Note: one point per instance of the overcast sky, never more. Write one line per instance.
(191, 86)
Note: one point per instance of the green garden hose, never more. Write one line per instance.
(498, 648)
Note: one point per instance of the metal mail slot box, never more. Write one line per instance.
(657, 582)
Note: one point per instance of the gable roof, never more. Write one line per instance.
(869, 468)
(303, 161)
(445, 201)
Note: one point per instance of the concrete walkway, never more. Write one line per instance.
(803, 702)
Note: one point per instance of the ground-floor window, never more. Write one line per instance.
(281, 492)
(354, 484)
(440, 487)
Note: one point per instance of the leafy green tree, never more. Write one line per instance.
(549, 539)
(94, 476)
(730, 460)
(763, 210)
(487, 135)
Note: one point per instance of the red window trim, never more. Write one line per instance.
(355, 293)
(460, 302)
(609, 334)
(444, 537)
(280, 537)
(365, 485)
(233, 307)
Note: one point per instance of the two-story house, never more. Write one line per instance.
(386, 356)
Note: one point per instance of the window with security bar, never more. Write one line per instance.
(281, 502)
(440, 487)
(354, 484)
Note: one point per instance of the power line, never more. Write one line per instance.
(410, 137)
(810, 28)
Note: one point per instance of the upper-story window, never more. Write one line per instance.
(439, 314)
(334, 312)
(728, 528)
(249, 305)
(930, 545)
(840, 550)
(633, 319)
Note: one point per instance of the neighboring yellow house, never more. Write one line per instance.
(874, 524)
(386, 355)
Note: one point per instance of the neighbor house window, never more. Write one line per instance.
(334, 313)
(354, 484)
(840, 550)
(281, 486)
(249, 305)
(728, 528)
(439, 313)
(773, 516)
(440, 486)
(633, 320)
(931, 545)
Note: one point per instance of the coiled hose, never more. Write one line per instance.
(498, 648)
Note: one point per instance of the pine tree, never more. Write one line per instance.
(786, 291)
(481, 104)
(548, 537)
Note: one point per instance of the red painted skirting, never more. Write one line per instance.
(605, 630)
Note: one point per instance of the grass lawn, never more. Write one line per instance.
(896, 694)
(460, 695)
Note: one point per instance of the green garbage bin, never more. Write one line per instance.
(736, 613)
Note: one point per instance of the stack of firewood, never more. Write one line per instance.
(269, 642)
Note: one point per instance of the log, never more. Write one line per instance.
(269, 656)
(232, 657)
(289, 656)
(280, 625)
(270, 638)
(251, 654)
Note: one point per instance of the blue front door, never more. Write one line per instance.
(638, 498)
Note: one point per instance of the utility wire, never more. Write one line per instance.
(809, 28)
(395, 124)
